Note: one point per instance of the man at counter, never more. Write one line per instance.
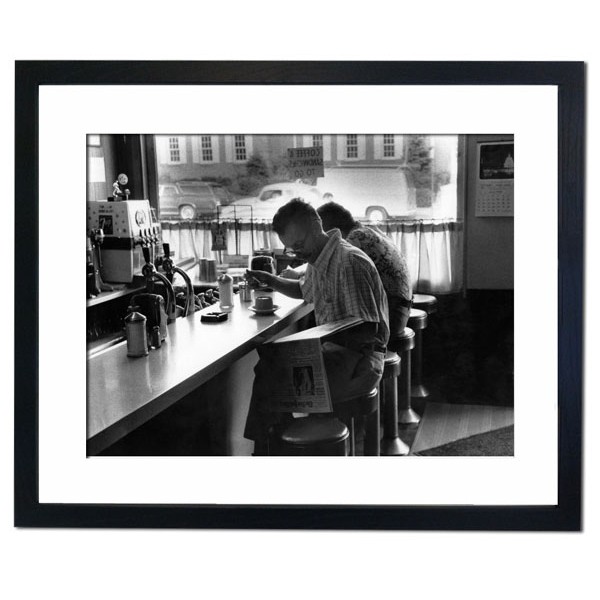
(341, 281)
(387, 258)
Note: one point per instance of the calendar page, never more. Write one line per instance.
(495, 183)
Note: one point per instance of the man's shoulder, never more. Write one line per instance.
(353, 255)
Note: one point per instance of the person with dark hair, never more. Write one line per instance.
(390, 262)
(340, 281)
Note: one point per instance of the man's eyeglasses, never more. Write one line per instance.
(296, 247)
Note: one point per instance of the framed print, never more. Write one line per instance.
(206, 114)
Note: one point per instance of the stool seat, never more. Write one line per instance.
(315, 435)
(425, 302)
(391, 365)
(403, 342)
(311, 430)
(358, 406)
(417, 319)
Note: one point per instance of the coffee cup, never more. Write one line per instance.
(263, 303)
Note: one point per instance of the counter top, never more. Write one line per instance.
(125, 392)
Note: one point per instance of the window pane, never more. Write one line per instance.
(386, 176)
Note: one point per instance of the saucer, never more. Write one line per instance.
(267, 311)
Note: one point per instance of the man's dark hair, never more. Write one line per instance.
(296, 210)
(335, 216)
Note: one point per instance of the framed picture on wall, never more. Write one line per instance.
(539, 488)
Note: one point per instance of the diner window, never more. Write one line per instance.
(405, 184)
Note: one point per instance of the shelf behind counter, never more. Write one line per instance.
(124, 392)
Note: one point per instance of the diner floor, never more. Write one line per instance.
(467, 360)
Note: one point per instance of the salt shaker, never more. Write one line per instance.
(135, 330)
(245, 292)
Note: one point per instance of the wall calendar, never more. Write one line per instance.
(495, 180)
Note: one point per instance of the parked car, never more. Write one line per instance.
(270, 198)
(375, 192)
(191, 199)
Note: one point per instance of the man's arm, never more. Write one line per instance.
(289, 287)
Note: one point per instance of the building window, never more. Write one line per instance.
(389, 146)
(352, 146)
(207, 151)
(317, 141)
(240, 147)
(174, 152)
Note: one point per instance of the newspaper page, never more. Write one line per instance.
(300, 382)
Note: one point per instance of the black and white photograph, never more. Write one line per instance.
(379, 227)
(332, 338)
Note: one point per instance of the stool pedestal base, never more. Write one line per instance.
(407, 416)
(419, 391)
(394, 447)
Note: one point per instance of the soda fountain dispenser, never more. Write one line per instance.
(170, 269)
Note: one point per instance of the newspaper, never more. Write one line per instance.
(300, 380)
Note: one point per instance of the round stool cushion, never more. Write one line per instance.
(357, 406)
(404, 342)
(425, 302)
(417, 319)
(391, 365)
(308, 431)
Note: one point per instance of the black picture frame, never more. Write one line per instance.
(569, 77)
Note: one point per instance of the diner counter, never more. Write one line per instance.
(124, 392)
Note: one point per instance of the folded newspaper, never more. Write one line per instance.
(302, 377)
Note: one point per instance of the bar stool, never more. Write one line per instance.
(328, 435)
(425, 302)
(367, 406)
(315, 435)
(417, 321)
(403, 345)
(391, 444)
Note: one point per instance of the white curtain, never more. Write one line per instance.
(434, 252)
(433, 248)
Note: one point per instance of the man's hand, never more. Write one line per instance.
(289, 287)
(255, 278)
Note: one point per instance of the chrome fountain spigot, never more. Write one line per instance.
(150, 274)
(96, 237)
(170, 268)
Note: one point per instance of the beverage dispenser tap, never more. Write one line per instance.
(170, 268)
(95, 282)
(150, 274)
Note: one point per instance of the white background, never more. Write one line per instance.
(171, 564)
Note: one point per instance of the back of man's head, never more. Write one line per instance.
(295, 211)
(335, 216)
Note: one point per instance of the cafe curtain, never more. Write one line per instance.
(433, 248)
